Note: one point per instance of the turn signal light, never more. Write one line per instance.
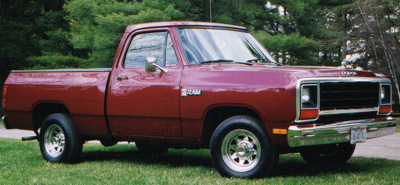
(308, 114)
(279, 131)
(4, 97)
(385, 109)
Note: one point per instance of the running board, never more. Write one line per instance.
(28, 138)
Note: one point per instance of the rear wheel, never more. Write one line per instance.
(59, 140)
(333, 154)
(240, 147)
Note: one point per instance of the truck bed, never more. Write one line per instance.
(81, 90)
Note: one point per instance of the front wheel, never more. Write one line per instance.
(59, 140)
(333, 154)
(240, 147)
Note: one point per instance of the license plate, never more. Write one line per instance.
(358, 135)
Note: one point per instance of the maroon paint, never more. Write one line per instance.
(81, 92)
(149, 105)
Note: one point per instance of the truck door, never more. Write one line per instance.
(141, 103)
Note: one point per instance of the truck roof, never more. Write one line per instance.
(180, 24)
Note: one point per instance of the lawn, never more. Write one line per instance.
(21, 163)
(398, 124)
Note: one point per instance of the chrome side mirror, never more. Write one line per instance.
(151, 65)
(149, 61)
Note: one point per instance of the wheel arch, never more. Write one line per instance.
(215, 115)
(43, 109)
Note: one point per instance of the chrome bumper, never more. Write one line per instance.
(4, 120)
(338, 132)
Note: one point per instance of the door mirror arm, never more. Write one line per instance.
(151, 65)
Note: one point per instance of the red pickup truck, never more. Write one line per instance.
(201, 85)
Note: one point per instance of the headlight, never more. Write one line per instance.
(309, 101)
(385, 94)
(385, 106)
(309, 96)
(305, 95)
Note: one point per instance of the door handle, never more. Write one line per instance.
(120, 78)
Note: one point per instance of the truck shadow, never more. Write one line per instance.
(293, 166)
(289, 165)
(173, 158)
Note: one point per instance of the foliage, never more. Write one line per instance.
(22, 163)
(17, 37)
(98, 25)
(283, 46)
(56, 60)
(371, 30)
(50, 33)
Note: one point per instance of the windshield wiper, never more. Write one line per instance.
(225, 60)
(219, 60)
(259, 60)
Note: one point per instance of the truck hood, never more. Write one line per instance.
(298, 71)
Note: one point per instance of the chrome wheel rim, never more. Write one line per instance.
(241, 150)
(54, 140)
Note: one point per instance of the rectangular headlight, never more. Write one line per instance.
(309, 101)
(309, 96)
(385, 99)
(385, 94)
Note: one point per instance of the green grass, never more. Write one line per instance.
(22, 163)
(398, 124)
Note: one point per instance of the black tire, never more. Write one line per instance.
(332, 154)
(151, 148)
(51, 143)
(251, 157)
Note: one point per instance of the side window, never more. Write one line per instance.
(170, 56)
(144, 45)
(158, 44)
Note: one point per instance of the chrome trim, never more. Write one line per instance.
(380, 100)
(347, 111)
(301, 104)
(4, 120)
(241, 150)
(54, 141)
(338, 132)
(380, 90)
(159, 67)
(63, 70)
(302, 81)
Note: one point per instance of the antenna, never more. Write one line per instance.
(210, 12)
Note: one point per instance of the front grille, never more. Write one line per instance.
(346, 95)
(327, 119)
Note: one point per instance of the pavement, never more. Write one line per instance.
(387, 147)
(383, 147)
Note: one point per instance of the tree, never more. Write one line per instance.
(299, 34)
(17, 33)
(97, 26)
(371, 30)
(380, 28)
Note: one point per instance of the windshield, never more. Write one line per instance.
(205, 45)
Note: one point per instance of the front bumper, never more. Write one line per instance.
(4, 120)
(339, 132)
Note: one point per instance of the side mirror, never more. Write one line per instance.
(151, 65)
